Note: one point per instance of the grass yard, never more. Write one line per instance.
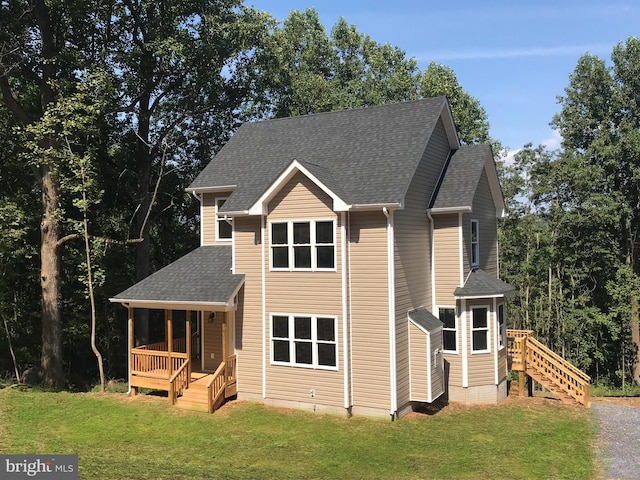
(144, 438)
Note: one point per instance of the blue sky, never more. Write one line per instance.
(515, 57)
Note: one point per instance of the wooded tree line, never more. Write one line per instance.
(109, 108)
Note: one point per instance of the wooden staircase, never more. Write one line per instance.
(530, 357)
(209, 392)
(195, 397)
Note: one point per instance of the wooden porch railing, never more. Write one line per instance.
(156, 363)
(528, 355)
(179, 345)
(222, 384)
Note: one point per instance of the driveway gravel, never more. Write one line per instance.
(618, 438)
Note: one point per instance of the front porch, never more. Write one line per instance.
(177, 365)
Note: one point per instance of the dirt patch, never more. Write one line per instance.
(620, 401)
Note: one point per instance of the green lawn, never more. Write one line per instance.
(121, 438)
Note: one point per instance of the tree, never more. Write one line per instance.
(307, 71)
(42, 47)
(600, 123)
(184, 72)
(471, 118)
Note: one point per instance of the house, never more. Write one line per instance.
(348, 263)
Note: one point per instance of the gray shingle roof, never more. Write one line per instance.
(460, 181)
(369, 154)
(201, 276)
(481, 284)
(424, 318)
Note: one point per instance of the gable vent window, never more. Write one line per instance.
(224, 231)
(475, 243)
(308, 245)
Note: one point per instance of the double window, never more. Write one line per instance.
(447, 315)
(305, 245)
(304, 341)
(224, 231)
(480, 329)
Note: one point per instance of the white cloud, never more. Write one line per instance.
(552, 143)
(499, 53)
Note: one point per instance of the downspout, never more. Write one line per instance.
(345, 323)
(126, 305)
(392, 313)
(264, 312)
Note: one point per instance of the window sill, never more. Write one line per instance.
(305, 366)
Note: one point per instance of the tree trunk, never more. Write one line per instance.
(51, 360)
(635, 337)
(141, 221)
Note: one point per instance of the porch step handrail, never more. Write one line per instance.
(179, 381)
(216, 387)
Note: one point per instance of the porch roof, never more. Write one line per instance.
(202, 278)
(480, 284)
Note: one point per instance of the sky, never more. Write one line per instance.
(514, 56)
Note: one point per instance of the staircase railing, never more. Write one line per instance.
(216, 388)
(558, 371)
(526, 354)
(179, 381)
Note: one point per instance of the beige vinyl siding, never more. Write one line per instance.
(370, 309)
(306, 293)
(502, 363)
(484, 211)
(412, 246)
(212, 340)
(453, 368)
(418, 364)
(248, 321)
(481, 365)
(447, 257)
(209, 217)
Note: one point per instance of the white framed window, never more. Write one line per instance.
(224, 230)
(303, 245)
(475, 243)
(502, 326)
(447, 315)
(480, 330)
(307, 341)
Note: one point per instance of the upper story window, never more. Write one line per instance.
(480, 329)
(475, 243)
(447, 315)
(303, 245)
(224, 230)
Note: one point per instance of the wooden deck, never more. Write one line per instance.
(152, 367)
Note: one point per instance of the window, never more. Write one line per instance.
(480, 329)
(449, 334)
(502, 326)
(224, 231)
(304, 341)
(303, 245)
(475, 243)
